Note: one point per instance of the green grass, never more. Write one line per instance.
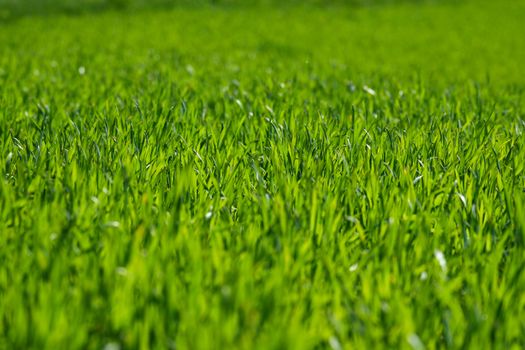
(264, 178)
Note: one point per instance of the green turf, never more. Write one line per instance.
(264, 178)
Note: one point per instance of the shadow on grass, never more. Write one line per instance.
(15, 9)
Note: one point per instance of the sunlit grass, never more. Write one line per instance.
(264, 178)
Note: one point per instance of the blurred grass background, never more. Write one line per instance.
(10, 9)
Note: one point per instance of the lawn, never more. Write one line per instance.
(263, 177)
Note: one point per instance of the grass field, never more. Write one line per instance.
(264, 177)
